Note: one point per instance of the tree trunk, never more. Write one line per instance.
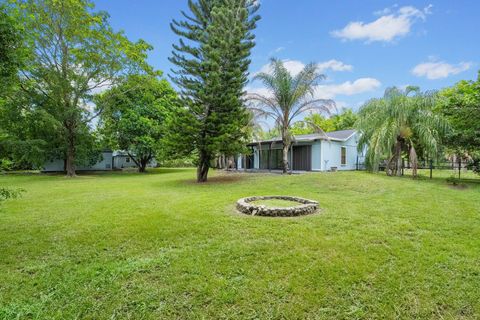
(143, 165)
(70, 163)
(285, 158)
(414, 161)
(394, 165)
(202, 169)
(398, 156)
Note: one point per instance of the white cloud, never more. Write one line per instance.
(325, 91)
(261, 91)
(347, 88)
(439, 69)
(275, 51)
(387, 27)
(279, 49)
(334, 65)
(295, 66)
(330, 91)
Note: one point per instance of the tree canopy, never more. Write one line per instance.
(341, 121)
(71, 54)
(212, 59)
(10, 52)
(400, 122)
(134, 115)
(460, 104)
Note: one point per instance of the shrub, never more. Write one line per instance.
(6, 193)
(452, 180)
(177, 163)
(6, 165)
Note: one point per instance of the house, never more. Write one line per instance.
(105, 164)
(110, 160)
(122, 160)
(332, 151)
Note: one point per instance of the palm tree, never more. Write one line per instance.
(289, 97)
(401, 121)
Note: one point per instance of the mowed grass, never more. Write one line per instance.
(159, 246)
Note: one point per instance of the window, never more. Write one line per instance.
(343, 156)
(128, 159)
(274, 156)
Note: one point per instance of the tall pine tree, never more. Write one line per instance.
(212, 57)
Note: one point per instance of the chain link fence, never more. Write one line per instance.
(459, 169)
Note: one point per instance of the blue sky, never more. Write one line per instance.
(362, 46)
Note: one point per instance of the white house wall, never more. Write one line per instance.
(121, 162)
(240, 162)
(256, 158)
(317, 156)
(105, 164)
(54, 166)
(331, 154)
(325, 154)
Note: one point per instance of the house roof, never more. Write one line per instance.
(121, 153)
(341, 135)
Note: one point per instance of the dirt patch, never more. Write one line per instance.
(221, 178)
(460, 186)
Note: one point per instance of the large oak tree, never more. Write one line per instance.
(134, 115)
(460, 104)
(73, 53)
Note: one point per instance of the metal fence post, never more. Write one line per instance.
(459, 166)
(431, 168)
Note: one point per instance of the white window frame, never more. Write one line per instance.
(341, 151)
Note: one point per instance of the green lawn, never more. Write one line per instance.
(159, 246)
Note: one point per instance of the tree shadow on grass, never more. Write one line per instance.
(120, 173)
(219, 178)
(460, 184)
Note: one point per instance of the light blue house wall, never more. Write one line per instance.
(326, 153)
(54, 166)
(105, 164)
(109, 161)
(331, 153)
(122, 160)
(317, 156)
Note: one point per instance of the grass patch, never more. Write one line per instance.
(158, 246)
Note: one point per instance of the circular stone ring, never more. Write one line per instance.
(304, 207)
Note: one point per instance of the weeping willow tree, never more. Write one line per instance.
(400, 122)
(289, 96)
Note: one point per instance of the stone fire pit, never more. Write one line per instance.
(303, 207)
